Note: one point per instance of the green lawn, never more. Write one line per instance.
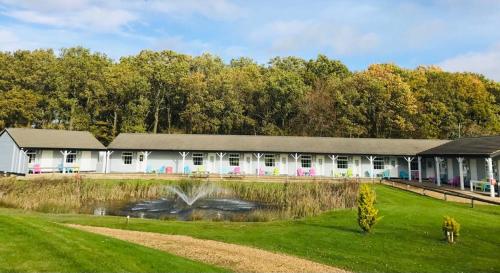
(408, 238)
(31, 243)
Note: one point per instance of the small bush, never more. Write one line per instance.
(451, 229)
(367, 213)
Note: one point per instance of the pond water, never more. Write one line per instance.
(176, 208)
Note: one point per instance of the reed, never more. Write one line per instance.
(287, 200)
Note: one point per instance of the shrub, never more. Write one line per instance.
(451, 229)
(367, 213)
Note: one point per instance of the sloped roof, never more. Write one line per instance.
(250, 143)
(54, 139)
(487, 146)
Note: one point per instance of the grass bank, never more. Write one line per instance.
(408, 238)
(291, 200)
(33, 244)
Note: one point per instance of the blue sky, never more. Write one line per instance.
(458, 35)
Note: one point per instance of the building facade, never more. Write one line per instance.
(24, 150)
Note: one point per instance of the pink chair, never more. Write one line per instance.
(261, 172)
(237, 170)
(169, 170)
(37, 169)
(300, 172)
(312, 171)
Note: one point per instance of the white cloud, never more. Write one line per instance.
(8, 40)
(213, 9)
(295, 35)
(486, 63)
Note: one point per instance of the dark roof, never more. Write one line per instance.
(250, 143)
(54, 139)
(487, 146)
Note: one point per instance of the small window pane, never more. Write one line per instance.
(342, 162)
(269, 160)
(31, 156)
(197, 159)
(378, 163)
(305, 161)
(71, 157)
(234, 159)
(127, 158)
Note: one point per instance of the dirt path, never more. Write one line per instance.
(234, 257)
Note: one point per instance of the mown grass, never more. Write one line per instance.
(407, 239)
(33, 244)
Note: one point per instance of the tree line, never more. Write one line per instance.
(169, 92)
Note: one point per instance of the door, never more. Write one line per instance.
(212, 165)
(283, 164)
(140, 162)
(47, 160)
(248, 164)
(86, 161)
(320, 165)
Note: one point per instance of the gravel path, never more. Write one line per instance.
(234, 257)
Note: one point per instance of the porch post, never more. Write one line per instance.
(372, 168)
(461, 171)
(183, 154)
(438, 173)
(419, 169)
(107, 166)
(146, 155)
(221, 155)
(409, 160)
(296, 156)
(65, 156)
(21, 160)
(489, 163)
(334, 165)
(258, 156)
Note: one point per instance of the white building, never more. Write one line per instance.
(24, 150)
(267, 155)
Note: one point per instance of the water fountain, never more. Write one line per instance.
(194, 193)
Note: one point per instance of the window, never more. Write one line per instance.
(414, 164)
(141, 158)
(234, 159)
(31, 155)
(71, 157)
(197, 159)
(342, 162)
(305, 161)
(378, 163)
(269, 160)
(127, 158)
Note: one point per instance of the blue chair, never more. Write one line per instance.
(187, 170)
(403, 175)
(386, 174)
(149, 169)
(161, 169)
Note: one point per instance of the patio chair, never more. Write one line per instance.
(367, 174)
(161, 169)
(60, 168)
(149, 169)
(276, 172)
(403, 175)
(260, 171)
(349, 173)
(312, 172)
(37, 169)
(187, 170)
(386, 174)
(300, 172)
(169, 170)
(237, 170)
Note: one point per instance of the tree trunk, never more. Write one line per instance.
(71, 116)
(156, 118)
(169, 119)
(115, 122)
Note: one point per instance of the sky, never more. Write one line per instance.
(457, 35)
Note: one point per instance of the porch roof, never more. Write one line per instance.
(486, 146)
(53, 139)
(285, 144)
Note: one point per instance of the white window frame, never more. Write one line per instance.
(306, 161)
(378, 163)
(31, 153)
(197, 159)
(127, 158)
(234, 160)
(342, 162)
(71, 157)
(269, 160)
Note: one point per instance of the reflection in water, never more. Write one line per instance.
(210, 208)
